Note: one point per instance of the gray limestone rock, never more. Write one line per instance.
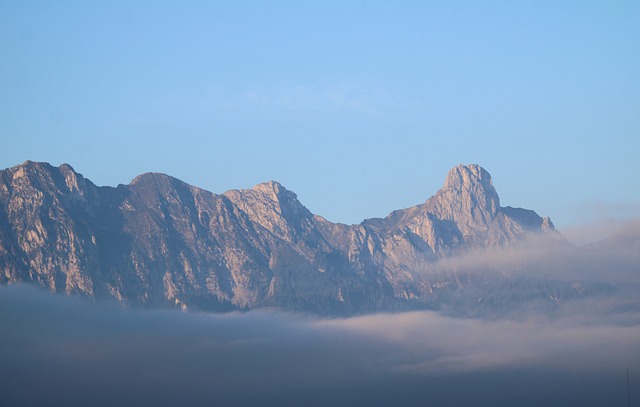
(161, 242)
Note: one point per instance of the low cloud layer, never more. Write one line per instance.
(65, 351)
(614, 260)
(601, 220)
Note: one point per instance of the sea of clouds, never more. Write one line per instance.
(56, 350)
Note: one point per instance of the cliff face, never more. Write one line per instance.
(161, 242)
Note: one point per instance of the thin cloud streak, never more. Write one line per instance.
(451, 345)
(359, 97)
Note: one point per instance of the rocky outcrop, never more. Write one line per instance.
(161, 242)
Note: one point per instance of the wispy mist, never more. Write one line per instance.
(614, 260)
(64, 351)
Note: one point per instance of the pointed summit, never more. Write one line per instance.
(467, 176)
(468, 198)
(469, 186)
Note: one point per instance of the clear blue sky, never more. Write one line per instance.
(358, 107)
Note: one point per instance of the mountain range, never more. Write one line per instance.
(159, 242)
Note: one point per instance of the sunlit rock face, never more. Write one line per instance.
(161, 242)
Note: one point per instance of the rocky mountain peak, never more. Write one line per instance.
(34, 165)
(40, 167)
(271, 205)
(160, 240)
(547, 225)
(147, 177)
(466, 189)
(273, 188)
(274, 191)
(30, 167)
(468, 177)
(467, 198)
(157, 183)
(43, 176)
(67, 168)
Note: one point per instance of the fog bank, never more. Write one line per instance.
(66, 351)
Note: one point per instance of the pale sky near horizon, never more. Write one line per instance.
(359, 107)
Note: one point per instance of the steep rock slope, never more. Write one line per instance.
(161, 242)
